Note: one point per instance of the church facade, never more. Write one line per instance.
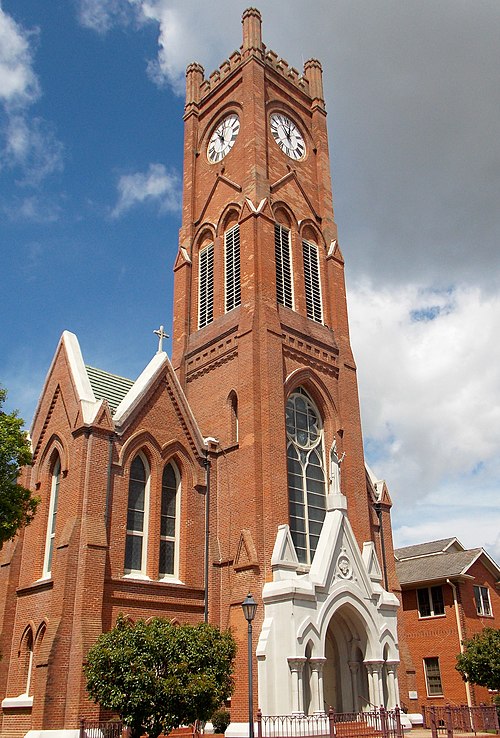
(237, 465)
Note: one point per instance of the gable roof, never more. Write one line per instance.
(426, 549)
(107, 386)
(436, 561)
(433, 568)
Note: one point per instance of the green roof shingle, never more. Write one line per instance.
(110, 387)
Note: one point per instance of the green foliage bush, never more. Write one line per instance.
(17, 504)
(480, 661)
(220, 720)
(158, 676)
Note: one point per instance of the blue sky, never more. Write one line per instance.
(90, 171)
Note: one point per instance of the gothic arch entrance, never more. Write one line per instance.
(345, 678)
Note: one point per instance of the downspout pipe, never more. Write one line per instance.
(207, 533)
(460, 635)
(378, 510)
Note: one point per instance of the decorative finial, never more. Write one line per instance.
(161, 335)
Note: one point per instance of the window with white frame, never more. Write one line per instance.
(52, 518)
(430, 601)
(314, 306)
(169, 524)
(433, 676)
(206, 286)
(232, 267)
(284, 289)
(137, 517)
(306, 474)
(483, 602)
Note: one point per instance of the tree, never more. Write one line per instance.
(480, 661)
(17, 504)
(158, 676)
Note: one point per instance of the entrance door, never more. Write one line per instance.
(345, 679)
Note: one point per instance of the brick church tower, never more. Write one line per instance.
(261, 347)
(235, 467)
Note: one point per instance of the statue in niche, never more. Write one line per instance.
(335, 462)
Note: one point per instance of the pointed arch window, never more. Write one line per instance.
(206, 286)
(306, 474)
(284, 289)
(232, 267)
(169, 526)
(52, 518)
(314, 305)
(26, 661)
(137, 517)
(233, 405)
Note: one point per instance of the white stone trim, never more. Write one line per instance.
(22, 701)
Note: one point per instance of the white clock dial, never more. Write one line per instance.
(223, 138)
(287, 136)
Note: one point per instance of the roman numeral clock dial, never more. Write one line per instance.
(287, 136)
(223, 138)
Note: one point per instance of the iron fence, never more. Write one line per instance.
(446, 719)
(369, 724)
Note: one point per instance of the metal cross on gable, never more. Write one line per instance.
(161, 335)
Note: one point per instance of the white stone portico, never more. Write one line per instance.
(329, 636)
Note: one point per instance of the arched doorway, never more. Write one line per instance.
(345, 679)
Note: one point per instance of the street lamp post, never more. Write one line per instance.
(249, 607)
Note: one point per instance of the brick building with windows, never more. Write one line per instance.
(449, 595)
(235, 466)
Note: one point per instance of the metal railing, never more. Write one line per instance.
(369, 724)
(446, 719)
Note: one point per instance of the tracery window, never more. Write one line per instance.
(232, 267)
(137, 517)
(284, 290)
(314, 306)
(206, 286)
(306, 474)
(169, 524)
(51, 523)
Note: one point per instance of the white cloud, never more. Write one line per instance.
(429, 385)
(34, 208)
(102, 15)
(18, 82)
(157, 186)
(29, 143)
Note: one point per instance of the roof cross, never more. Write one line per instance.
(161, 335)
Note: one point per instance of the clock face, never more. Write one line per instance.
(223, 138)
(287, 136)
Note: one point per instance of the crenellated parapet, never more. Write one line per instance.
(309, 82)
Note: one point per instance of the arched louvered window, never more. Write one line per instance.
(284, 289)
(312, 281)
(169, 526)
(206, 286)
(137, 517)
(52, 518)
(232, 267)
(306, 474)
